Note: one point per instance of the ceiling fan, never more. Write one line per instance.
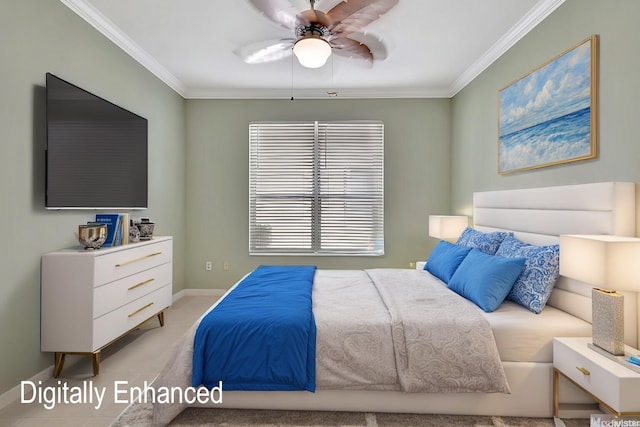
(318, 34)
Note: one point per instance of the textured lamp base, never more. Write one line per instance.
(608, 320)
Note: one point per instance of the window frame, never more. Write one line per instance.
(335, 144)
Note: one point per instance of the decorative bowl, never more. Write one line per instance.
(92, 235)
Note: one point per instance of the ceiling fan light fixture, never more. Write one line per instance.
(312, 51)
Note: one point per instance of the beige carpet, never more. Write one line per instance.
(196, 417)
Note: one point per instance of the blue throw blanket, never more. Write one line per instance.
(262, 335)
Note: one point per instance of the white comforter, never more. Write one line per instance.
(396, 329)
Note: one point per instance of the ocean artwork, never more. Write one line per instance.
(548, 116)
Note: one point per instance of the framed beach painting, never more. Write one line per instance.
(548, 116)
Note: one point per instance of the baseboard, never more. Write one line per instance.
(198, 293)
(13, 394)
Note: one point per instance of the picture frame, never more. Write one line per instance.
(549, 116)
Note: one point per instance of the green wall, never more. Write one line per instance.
(417, 135)
(475, 108)
(45, 36)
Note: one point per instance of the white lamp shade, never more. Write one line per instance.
(312, 52)
(610, 262)
(447, 226)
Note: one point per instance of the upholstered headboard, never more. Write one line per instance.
(540, 215)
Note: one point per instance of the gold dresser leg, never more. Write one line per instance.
(58, 362)
(95, 358)
(161, 318)
(556, 398)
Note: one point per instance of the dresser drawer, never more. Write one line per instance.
(611, 382)
(115, 265)
(115, 323)
(113, 295)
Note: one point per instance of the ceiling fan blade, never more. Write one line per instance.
(306, 17)
(345, 46)
(265, 51)
(353, 15)
(378, 48)
(282, 12)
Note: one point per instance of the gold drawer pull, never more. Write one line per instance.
(140, 284)
(583, 370)
(140, 309)
(131, 261)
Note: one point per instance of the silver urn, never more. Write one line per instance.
(92, 235)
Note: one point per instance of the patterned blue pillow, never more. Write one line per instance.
(486, 242)
(539, 275)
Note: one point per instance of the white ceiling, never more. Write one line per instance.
(434, 47)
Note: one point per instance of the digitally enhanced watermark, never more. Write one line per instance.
(606, 420)
(61, 393)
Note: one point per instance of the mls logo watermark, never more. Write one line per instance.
(605, 420)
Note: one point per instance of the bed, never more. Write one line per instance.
(523, 339)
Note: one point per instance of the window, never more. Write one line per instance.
(316, 188)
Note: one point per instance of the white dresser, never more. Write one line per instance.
(90, 298)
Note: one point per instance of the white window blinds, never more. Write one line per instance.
(316, 188)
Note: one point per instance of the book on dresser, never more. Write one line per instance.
(90, 298)
(111, 221)
(117, 228)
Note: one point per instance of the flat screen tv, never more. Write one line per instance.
(96, 156)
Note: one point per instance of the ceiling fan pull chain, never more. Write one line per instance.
(292, 77)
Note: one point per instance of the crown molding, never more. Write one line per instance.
(527, 23)
(315, 93)
(107, 28)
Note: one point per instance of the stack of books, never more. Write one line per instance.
(117, 228)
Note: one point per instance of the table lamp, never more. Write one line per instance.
(447, 227)
(612, 263)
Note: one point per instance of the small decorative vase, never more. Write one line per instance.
(134, 233)
(146, 229)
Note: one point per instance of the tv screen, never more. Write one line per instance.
(96, 155)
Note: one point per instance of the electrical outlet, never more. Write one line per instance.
(208, 265)
(225, 266)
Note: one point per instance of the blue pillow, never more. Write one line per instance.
(445, 259)
(485, 279)
(486, 242)
(539, 275)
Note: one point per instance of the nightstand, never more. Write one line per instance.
(611, 384)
